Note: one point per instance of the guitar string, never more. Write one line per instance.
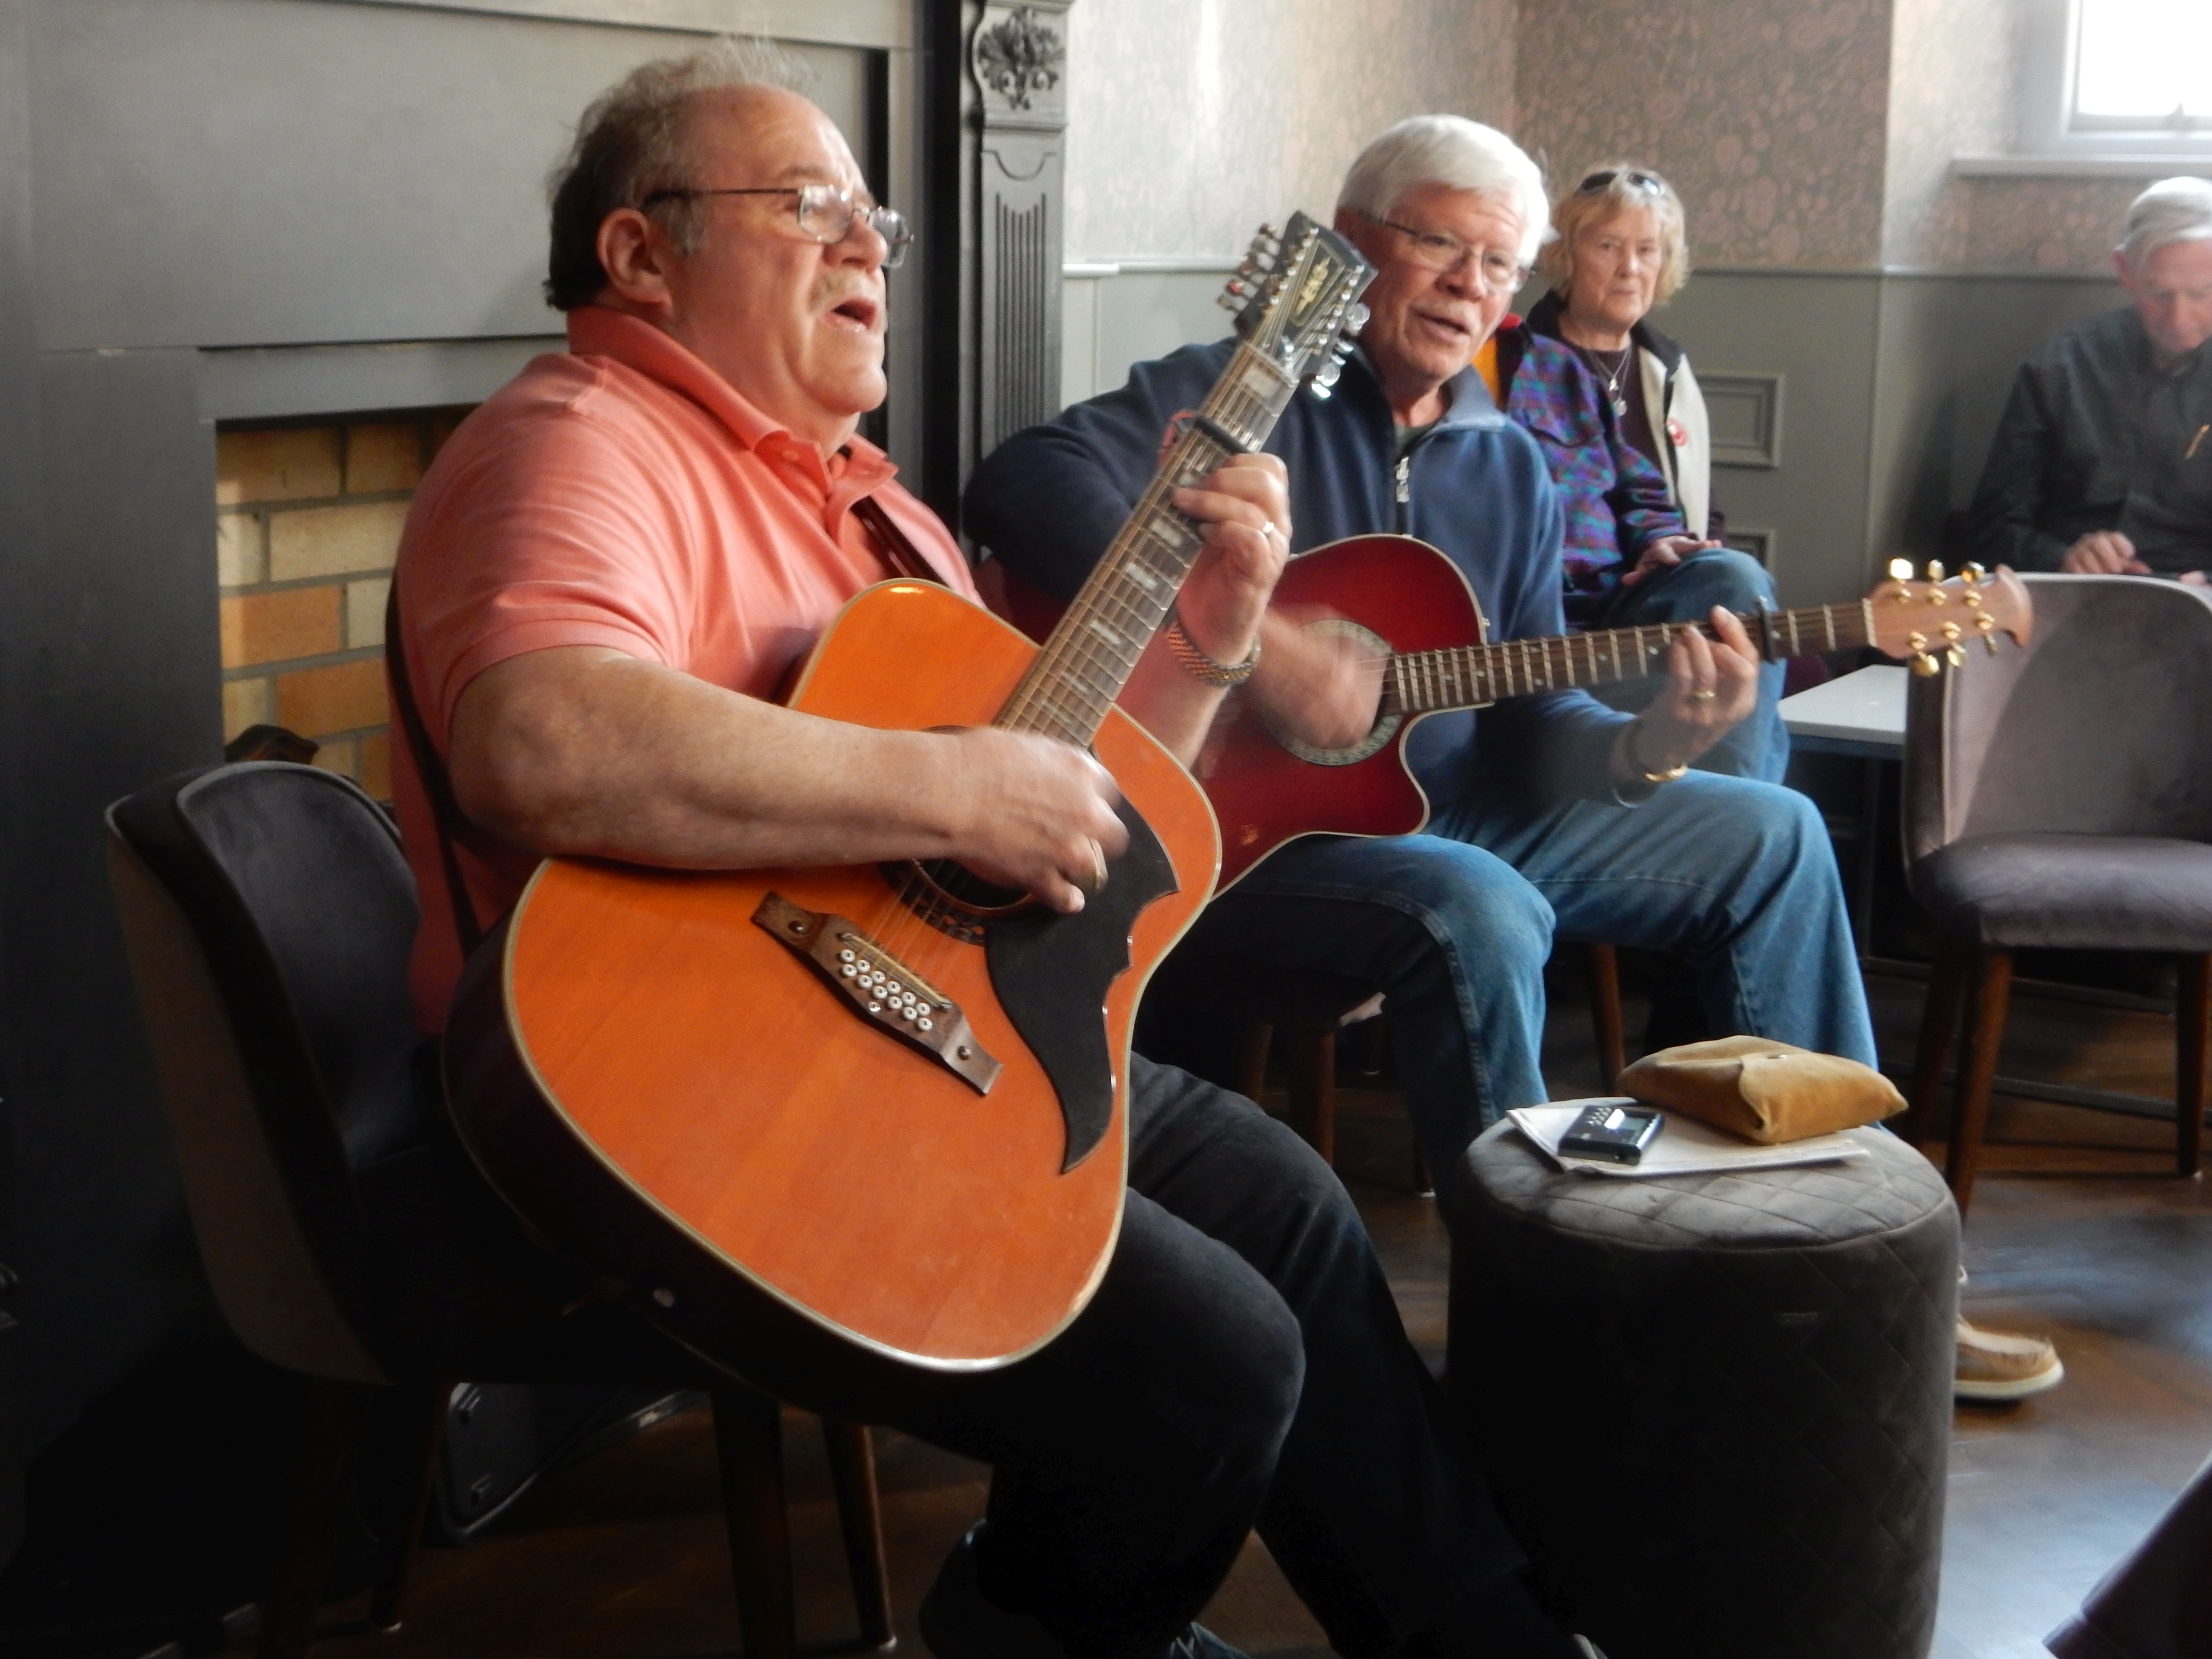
(1488, 665)
(899, 924)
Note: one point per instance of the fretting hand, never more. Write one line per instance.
(1710, 685)
(1245, 506)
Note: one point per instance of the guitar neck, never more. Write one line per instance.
(1469, 676)
(1090, 657)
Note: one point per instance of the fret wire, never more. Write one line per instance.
(1082, 664)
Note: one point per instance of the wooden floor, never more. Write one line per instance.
(2078, 1230)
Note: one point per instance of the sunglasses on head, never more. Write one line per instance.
(1643, 181)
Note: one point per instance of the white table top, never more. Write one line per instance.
(1866, 708)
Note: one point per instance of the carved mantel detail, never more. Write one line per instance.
(1018, 56)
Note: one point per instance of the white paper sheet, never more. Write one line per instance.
(1685, 1146)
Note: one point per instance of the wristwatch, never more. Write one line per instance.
(1203, 667)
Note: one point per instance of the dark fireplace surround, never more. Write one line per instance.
(232, 211)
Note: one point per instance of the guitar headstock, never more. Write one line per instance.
(1297, 300)
(1930, 620)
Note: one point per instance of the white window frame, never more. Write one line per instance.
(2050, 35)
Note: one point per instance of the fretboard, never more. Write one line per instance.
(1091, 655)
(1465, 677)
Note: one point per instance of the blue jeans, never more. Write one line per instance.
(1759, 747)
(1453, 926)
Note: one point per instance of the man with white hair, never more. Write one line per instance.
(1552, 814)
(2103, 460)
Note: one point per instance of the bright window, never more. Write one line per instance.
(2142, 66)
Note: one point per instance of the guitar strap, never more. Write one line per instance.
(444, 809)
(453, 828)
(897, 551)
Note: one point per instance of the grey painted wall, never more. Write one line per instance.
(369, 174)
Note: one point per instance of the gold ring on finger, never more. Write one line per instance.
(1705, 696)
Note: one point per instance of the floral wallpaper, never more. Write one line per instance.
(1951, 93)
(2044, 224)
(1766, 115)
(1799, 132)
(1191, 121)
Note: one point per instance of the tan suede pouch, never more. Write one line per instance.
(1768, 1092)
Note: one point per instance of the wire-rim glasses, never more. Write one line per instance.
(826, 213)
(1439, 250)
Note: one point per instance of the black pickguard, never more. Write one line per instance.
(1051, 974)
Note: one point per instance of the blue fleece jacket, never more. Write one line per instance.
(1049, 501)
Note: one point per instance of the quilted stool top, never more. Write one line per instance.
(1741, 1383)
(1892, 1189)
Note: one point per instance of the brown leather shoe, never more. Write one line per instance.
(1995, 1365)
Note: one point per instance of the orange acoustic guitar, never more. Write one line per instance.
(1408, 604)
(862, 1115)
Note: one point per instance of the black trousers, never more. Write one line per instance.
(1242, 1364)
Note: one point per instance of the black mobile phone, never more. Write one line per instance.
(1615, 1131)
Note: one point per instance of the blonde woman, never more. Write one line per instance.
(1620, 253)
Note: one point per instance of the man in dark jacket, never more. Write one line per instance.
(2103, 461)
(1552, 813)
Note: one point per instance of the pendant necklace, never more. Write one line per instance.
(1614, 377)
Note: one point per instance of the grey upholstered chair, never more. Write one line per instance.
(269, 915)
(2059, 796)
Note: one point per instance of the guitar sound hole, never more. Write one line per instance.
(952, 898)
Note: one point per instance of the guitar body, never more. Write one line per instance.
(673, 1092)
(1406, 597)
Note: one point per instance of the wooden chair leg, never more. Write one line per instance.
(335, 1414)
(1378, 1046)
(2192, 1023)
(1313, 1089)
(860, 1517)
(1939, 1024)
(1603, 965)
(388, 1599)
(748, 1446)
(1985, 1018)
(1252, 1059)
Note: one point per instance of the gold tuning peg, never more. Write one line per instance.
(1956, 656)
(1974, 573)
(1935, 570)
(1901, 570)
(1923, 666)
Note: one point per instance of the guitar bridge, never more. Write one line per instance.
(880, 989)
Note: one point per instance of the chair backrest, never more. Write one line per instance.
(269, 914)
(2101, 725)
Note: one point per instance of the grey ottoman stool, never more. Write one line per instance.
(1714, 1408)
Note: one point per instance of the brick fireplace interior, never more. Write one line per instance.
(307, 522)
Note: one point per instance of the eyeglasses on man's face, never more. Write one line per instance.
(1439, 250)
(826, 213)
(1650, 184)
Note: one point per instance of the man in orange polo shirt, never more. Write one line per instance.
(607, 573)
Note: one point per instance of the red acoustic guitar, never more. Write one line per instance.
(858, 1114)
(1409, 604)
